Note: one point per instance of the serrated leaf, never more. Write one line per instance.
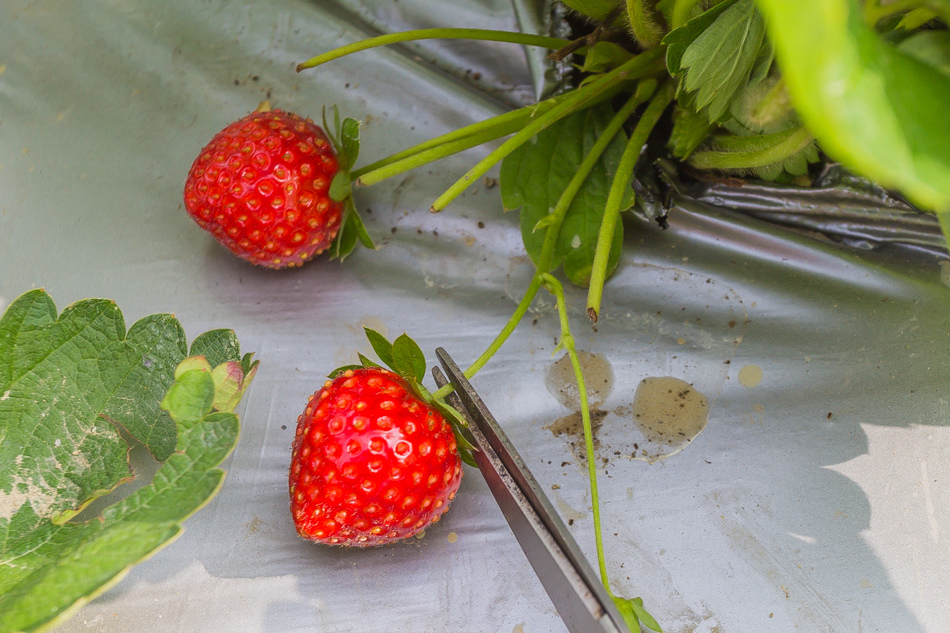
(382, 347)
(719, 61)
(62, 381)
(217, 346)
(534, 176)
(763, 63)
(879, 111)
(408, 358)
(57, 375)
(679, 39)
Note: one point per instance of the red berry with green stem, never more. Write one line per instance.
(372, 463)
(261, 187)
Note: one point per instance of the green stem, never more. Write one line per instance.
(682, 9)
(554, 228)
(643, 92)
(618, 190)
(506, 331)
(430, 34)
(643, 23)
(567, 344)
(372, 176)
(874, 12)
(500, 121)
(512, 121)
(763, 150)
(917, 18)
(580, 98)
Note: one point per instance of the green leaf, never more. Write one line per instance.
(217, 346)
(604, 56)
(720, 59)
(63, 383)
(366, 362)
(763, 63)
(58, 377)
(191, 397)
(341, 187)
(382, 347)
(635, 615)
(230, 383)
(349, 143)
(930, 47)
(408, 359)
(679, 39)
(690, 128)
(352, 231)
(879, 111)
(534, 176)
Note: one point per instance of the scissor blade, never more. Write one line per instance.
(579, 598)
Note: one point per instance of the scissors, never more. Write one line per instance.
(580, 600)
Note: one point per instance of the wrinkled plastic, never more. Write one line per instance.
(816, 499)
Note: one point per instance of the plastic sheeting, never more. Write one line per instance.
(816, 499)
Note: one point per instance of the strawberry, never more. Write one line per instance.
(261, 188)
(372, 463)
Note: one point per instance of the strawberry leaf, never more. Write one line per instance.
(874, 108)
(67, 381)
(349, 143)
(719, 61)
(191, 397)
(459, 425)
(382, 347)
(366, 362)
(339, 371)
(690, 128)
(679, 39)
(352, 231)
(218, 346)
(604, 56)
(341, 187)
(408, 359)
(635, 615)
(534, 176)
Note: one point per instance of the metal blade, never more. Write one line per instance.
(578, 596)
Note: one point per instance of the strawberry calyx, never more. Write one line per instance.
(345, 136)
(405, 358)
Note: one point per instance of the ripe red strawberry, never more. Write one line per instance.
(371, 462)
(261, 187)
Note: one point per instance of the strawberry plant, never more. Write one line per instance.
(77, 391)
(763, 89)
